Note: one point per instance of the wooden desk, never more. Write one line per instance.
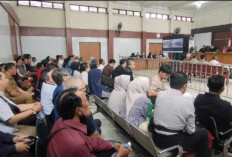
(148, 64)
(225, 58)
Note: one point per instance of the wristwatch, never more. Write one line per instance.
(33, 112)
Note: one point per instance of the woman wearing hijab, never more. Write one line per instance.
(118, 96)
(137, 101)
(95, 85)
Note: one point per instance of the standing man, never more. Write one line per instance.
(109, 68)
(120, 69)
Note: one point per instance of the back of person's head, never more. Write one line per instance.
(74, 82)
(166, 68)
(83, 67)
(194, 56)
(93, 64)
(58, 74)
(57, 57)
(27, 56)
(39, 65)
(122, 61)
(9, 66)
(67, 103)
(129, 62)
(101, 61)
(216, 83)
(75, 66)
(178, 80)
(202, 56)
(44, 75)
(188, 55)
(51, 66)
(112, 61)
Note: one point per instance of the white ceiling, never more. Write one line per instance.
(178, 5)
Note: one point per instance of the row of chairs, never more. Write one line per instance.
(143, 139)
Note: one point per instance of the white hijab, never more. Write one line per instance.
(136, 89)
(118, 96)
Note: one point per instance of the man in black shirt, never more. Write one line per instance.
(130, 65)
(203, 49)
(211, 104)
(120, 69)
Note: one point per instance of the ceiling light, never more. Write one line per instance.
(199, 3)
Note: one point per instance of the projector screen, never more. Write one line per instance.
(173, 44)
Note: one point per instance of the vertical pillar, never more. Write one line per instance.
(110, 33)
(68, 30)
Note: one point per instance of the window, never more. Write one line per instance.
(74, 7)
(130, 13)
(165, 17)
(189, 19)
(46, 4)
(35, 3)
(148, 15)
(58, 5)
(159, 16)
(178, 18)
(102, 10)
(115, 11)
(84, 8)
(136, 13)
(93, 9)
(183, 18)
(153, 15)
(23, 2)
(122, 12)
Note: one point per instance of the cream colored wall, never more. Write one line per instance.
(213, 17)
(156, 25)
(40, 17)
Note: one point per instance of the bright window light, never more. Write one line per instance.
(74, 7)
(23, 2)
(148, 15)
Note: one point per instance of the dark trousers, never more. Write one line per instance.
(196, 143)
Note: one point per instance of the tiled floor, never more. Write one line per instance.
(111, 131)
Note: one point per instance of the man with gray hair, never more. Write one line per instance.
(59, 76)
(93, 125)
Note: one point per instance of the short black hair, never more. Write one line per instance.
(83, 66)
(44, 75)
(39, 65)
(178, 79)
(58, 74)
(129, 61)
(33, 58)
(26, 56)
(112, 61)
(202, 56)
(216, 83)
(67, 103)
(122, 61)
(9, 66)
(51, 66)
(166, 68)
(17, 59)
(75, 66)
(101, 61)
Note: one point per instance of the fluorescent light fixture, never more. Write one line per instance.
(199, 3)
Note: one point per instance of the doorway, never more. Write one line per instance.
(155, 48)
(90, 49)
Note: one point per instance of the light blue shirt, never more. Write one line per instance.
(46, 97)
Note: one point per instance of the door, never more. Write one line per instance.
(155, 48)
(90, 49)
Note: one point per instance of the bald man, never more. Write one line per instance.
(93, 125)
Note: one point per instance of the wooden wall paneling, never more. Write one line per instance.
(13, 37)
(155, 48)
(90, 49)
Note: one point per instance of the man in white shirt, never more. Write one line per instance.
(102, 64)
(214, 62)
(174, 119)
(33, 63)
(60, 61)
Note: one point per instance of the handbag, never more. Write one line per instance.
(13, 108)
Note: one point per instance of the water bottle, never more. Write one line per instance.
(127, 145)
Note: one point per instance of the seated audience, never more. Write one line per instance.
(95, 85)
(93, 64)
(202, 61)
(60, 61)
(59, 76)
(130, 65)
(109, 68)
(212, 105)
(214, 61)
(149, 55)
(48, 87)
(118, 96)
(33, 63)
(84, 69)
(102, 64)
(27, 62)
(120, 69)
(212, 49)
(137, 101)
(174, 119)
(93, 125)
(2, 68)
(72, 106)
(194, 59)
(67, 63)
(10, 113)
(13, 145)
(40, 67)
(156, 83)
(75, 66)
(12, 91)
